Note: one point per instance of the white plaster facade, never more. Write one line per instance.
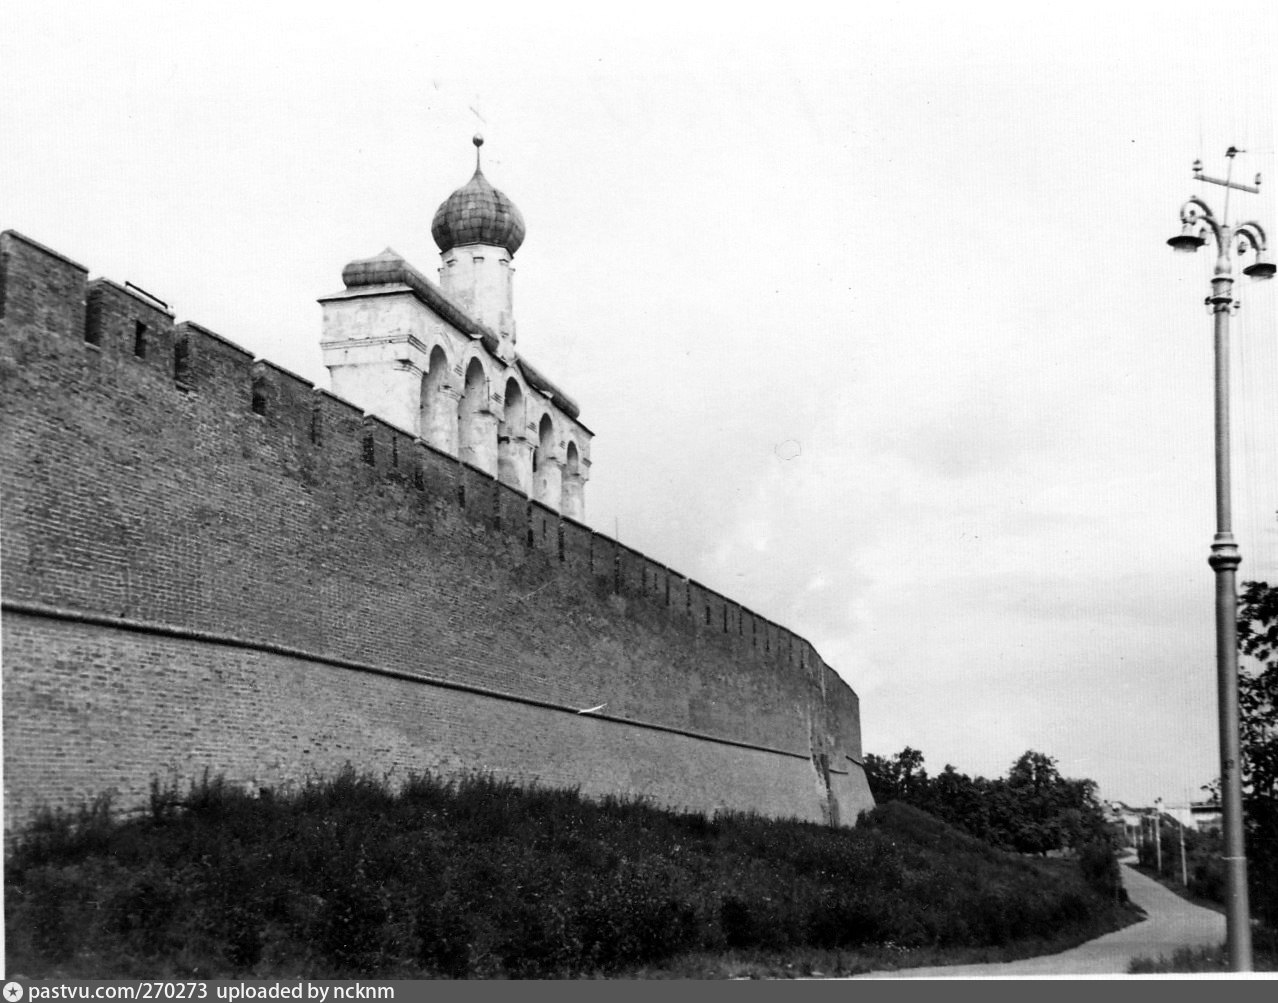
(479, 278)
(441, 363)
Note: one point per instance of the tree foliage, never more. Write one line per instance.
(1258, 707)
(1258, 688)
(1031, 810)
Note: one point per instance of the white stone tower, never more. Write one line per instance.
(440, 360)
(478, 230)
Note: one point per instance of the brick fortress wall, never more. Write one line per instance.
(210, 563)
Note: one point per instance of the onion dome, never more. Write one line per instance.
(477, 213)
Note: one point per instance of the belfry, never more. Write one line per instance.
(440, 360)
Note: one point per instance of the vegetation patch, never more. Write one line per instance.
(481, 878)
(1210, 959)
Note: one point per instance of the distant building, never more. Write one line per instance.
(1206, 815)
(1126, 818)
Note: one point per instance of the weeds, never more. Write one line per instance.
(479, 878)
(1211, 959)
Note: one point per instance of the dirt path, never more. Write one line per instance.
(1170, 922)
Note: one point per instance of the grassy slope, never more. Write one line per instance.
(481, 878)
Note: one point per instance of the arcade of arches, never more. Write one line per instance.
(502, 435)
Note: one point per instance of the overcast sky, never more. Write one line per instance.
(870, 312)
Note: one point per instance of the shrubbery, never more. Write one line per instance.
(1203, 864)
(1099, 865)
(1031, 810)
(481, 878)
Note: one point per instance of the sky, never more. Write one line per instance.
(870, 311)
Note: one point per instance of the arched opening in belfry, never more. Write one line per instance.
(572, 500)
(437, 412)
(545, 442)
(513, 463)
(476, 423)
(513, 416)
(473, 395)
(547, 478)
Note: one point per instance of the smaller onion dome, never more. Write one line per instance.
(477, 213)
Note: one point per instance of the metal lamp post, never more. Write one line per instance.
(1197, 219)
(1158, 834)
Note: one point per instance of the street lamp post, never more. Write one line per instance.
(1158, 834)
(1197, 219)
(1184, 868)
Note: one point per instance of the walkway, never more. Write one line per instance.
(1170, 923)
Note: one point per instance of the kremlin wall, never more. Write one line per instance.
(211, 564)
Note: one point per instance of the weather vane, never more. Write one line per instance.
(1228, 183)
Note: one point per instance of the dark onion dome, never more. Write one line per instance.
(477, 213)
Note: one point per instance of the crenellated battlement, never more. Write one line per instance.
(157, 472)
(195, 359)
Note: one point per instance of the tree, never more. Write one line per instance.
(899, 778)
(1258, 688)
(961, 801)
(878, 777)
(1053, 811)
(1258, 710)
(1034, 772)
(1039, 798)
(1033, 810)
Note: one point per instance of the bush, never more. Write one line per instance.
(1099, 865)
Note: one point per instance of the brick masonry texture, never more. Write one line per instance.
(152, 473)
